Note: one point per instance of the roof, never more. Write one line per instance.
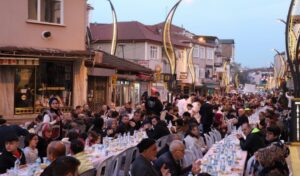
(123, 64)
(226, 41)
(132, 30)
(136, 31)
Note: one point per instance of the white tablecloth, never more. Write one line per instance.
(218, 155)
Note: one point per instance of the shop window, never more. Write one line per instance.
(50, 11)
(34, 87)
(24, 90)
(54, 79)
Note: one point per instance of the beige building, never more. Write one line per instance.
(42, 53)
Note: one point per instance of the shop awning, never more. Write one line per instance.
(121, 64)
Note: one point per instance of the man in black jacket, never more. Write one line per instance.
(11, 153)
(142, 165)
(207, 115)
(254, 140)
(158, 130)
(153, 104)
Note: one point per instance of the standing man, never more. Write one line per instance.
(153, 104)
(182, 105)
(207, 115)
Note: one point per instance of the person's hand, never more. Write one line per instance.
(196, 167)
(147, 126)
(110, 131)
(132, 124)
(239, 136)
(164, 171)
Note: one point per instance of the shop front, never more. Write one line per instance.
(27, 83)
(34, 86)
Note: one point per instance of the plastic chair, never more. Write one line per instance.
(105, 166)
(128, 160)
(91, 172)
(209, 141)
(188, 157)
(117, 163)
(212, 136)
(249, 167)
(161, 142)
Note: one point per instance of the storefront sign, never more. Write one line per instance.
(183, 75)
(18, 61)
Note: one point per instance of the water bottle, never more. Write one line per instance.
(17, 166)
(190, 174)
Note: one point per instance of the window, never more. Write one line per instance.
(50, 11)
(196, 51)
(202, 52)
(24, 90)
(153, 52)
(210, 53)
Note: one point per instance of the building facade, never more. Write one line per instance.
(42, 53)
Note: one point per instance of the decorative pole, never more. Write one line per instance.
(191, 68)
(115, 30)
(292, 48)
(168, 44)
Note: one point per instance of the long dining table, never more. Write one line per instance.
(225, 158)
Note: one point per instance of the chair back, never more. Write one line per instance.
(188, 157)
(161, 142)
(209, 141)
(91, 172)
(104, 168)
(128, 160)
(117, 163)
(249, 167)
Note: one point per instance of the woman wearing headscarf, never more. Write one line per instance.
(54, 117)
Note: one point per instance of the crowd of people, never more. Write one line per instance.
(61, 138)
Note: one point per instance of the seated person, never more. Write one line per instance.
(172, 160)
(63, 166)
(55, 150)
(254, 140)
(77, 151)
(11, 153)
(158, 128)
(30, 150)
(93, 138)
(124, 125)
(272, 158)
(194, 139)
(165, 148)
(142, 165)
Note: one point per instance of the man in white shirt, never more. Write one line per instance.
(182, 105)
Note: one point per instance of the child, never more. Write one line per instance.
(11, 153)
(30, 151)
